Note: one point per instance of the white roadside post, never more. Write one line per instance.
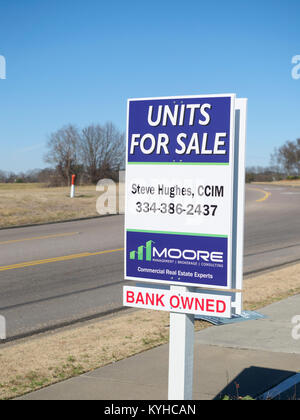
(181, 354)
(72, 193)
(2, 328)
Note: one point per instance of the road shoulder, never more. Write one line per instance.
(54, 357)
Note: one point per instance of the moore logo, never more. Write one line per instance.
(147, 252)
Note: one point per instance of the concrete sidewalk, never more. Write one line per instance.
(247, 358)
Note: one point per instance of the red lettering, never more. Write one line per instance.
(219, 303)
(129, 296)
(187, 302)
(171, 301)
(199, 304)
(159, 300)
(140, 298)
(210, 305)
(150, 298)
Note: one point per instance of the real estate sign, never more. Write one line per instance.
(179, 190)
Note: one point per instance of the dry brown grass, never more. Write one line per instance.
(268, 288)
(284, 182)
(38, 362)
(35, 363)
(24, 204)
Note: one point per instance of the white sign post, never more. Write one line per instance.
(181, 354)
(184, 214)
(182, 303)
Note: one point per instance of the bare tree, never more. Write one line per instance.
(297, 143)
(287, 158)
(102, 151)
(93, 153)
(90, 149)
(3, 176)
(63, 152)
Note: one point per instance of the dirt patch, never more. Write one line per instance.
(41, 361)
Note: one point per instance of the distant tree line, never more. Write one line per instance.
(262, 174)
(92, 153)
(98, 151)
(31, 176)
(284, 164)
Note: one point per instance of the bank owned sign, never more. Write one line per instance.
(179, 190)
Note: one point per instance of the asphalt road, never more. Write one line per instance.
(56, 274)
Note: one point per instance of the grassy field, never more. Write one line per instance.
(23, 204)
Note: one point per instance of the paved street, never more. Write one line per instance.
(59, 273)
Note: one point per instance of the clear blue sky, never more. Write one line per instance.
(77, 61)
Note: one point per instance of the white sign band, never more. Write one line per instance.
(171, 301)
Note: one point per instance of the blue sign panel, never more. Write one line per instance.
(182, 130)
(177, 258)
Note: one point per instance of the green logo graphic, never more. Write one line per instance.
(143, 252)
